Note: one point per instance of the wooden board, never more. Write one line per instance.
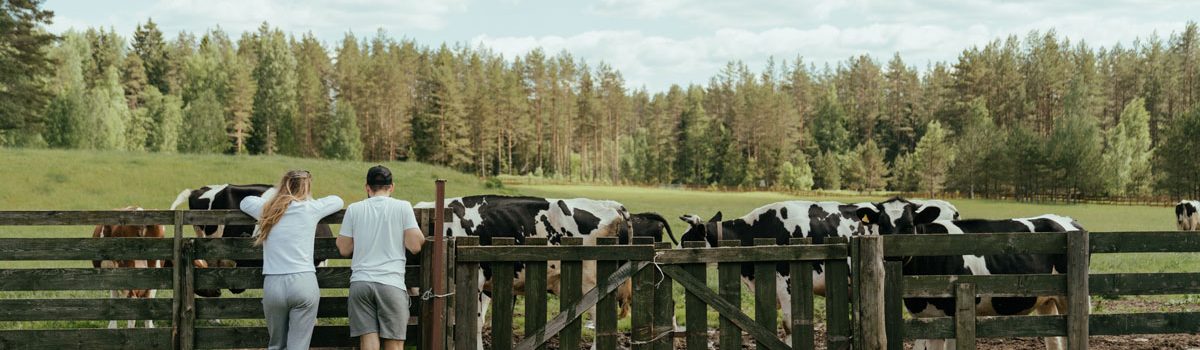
(752, 254)
(85, 309)
(86, 249)
(136, 338)
(251, 277)
(976, 244)
(565, 253)
(85, 279)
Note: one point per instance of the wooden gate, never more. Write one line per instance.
(654, 273)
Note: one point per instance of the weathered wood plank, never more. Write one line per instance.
(964, 316)
(426, 311)
(976, 244)
(837, 301)
(753, 254)
(1144, 242)
(536, 303)
(802, 301)
(244, 249)
(237, 217)
(1144, 283)
(84, 279)
(871, 319)
(86, 249)
(177, 278)
(251, 277)
(466, 308)
(84, 309)
(86, 217)
(767, 337)
(729, 286)
(642, 320)
(606, 309)
(1056, 326)
(502, 300)
(133, 338)
(187, 289)
(570, 292)
(764, 292)
(941, 286)
(1078, 298)
(664, 308)
(495, 253)
(256, 337)
(894, 304)
(251, 308)
(696, 312)
(590, 299)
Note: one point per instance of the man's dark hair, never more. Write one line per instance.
(379, 177)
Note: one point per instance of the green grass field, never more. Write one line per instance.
(77, 180)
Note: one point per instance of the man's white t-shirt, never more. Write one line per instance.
(289, 247)
(377, 225)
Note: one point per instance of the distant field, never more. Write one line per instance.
(72, 180)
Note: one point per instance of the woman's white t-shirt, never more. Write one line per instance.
(289, 247)
(377, 225)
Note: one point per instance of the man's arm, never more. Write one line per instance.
(413, 240)
(345, 245)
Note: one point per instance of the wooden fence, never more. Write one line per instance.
(653, 270)
(185, 313)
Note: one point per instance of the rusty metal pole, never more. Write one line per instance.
(439, 267)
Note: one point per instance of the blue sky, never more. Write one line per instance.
(655, 43)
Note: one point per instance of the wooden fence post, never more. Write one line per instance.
(764, 291)
(893, 301)
(502, 299)
(696, 316)
(964, 316)
(570, 286)
(606, 309)
(177, 277)
(643, 303)
(729, 286)
(1078, 252)
(837, 300)
(664, 308)
(872, 327)
(187, 315)
(535, 295)
(802, 300)
(466, 307)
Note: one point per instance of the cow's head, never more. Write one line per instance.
(700, 230)
(1186, 216)
(901, 216)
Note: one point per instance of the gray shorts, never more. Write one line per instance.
(378, 308)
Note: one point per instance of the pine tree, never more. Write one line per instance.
(1128, 153)
(24, 64)
(203, 126)
(830, 124)
(865, 169)
(342, 139)
(933, 159)
(313, 103)
(165, 114)
(275, 98)
(978, 150)
(151, 49)
(1176, 155)
(827, 171)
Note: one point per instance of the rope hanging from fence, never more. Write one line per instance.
(428, 294)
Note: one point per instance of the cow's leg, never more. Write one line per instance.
(1049, 306)
(484, 300)
(784, 300)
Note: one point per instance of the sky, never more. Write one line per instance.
(656, 43)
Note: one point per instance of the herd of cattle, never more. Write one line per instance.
(491, 216)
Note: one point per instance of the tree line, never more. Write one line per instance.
(1038, 114)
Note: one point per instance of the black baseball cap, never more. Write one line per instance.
(379, 176)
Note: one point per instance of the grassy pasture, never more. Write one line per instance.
(77, 180)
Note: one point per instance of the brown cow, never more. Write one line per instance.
(133, 231)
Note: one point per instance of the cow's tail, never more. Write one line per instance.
(182, 197)
(666, 226)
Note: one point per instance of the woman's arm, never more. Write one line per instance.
(345, 239)
(252, 205)
(329, 205)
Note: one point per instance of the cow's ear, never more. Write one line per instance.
(927, 215)
(690, 219)
(716, 218)
(867, 214)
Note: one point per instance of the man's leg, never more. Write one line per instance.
(393, 344)
(369, 341)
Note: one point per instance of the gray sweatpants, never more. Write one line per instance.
(290, 304)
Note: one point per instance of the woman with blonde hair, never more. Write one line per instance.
(288, 216)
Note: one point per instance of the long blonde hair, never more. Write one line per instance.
(295, 185)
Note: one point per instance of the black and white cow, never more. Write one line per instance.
(1187, 215)
(226, 196)
(491, 216)
(651, 224)
(988, 265)
(799, 219)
